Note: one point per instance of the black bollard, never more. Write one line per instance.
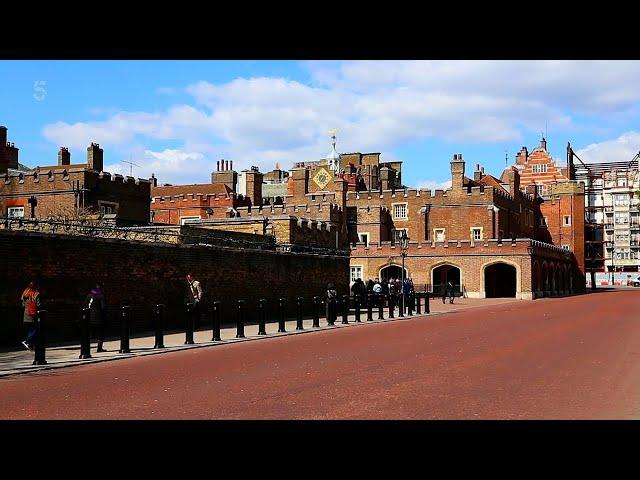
(391, 306)
(401, 306)
(316, 312)
(281, 326)
(356, 300)
(299, 314)
(345, 309)
(370, 308)
(41, 338)
(188, 330)
(426, 303)
(159, 325)
(381, 308)
(262, 324)
(418, 308)
(215, 320)
(85, 338)
(125, 318)
(331, 311)
(240, 319)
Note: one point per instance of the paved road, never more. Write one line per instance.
(576, 357)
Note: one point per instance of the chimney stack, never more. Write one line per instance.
(153, 180)
(477, 175)
(218, 166)
(3, 151)
(254, 180)
(64, 156)
(543, 144)
(522, 157)
(226, 176)
(457, 171)
(95, 157)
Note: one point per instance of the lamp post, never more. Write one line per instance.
(404, 246)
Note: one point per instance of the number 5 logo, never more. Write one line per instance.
(39, 93)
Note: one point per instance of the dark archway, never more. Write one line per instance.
(444, 274)
(500, 281)
(392, 271)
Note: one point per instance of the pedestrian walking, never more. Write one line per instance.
(451, 291)
(194, 296)
(97, 306)
(332, 296)
(444, 293)
(385, 290)
(30, 299)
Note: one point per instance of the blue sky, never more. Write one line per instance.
(176, 118)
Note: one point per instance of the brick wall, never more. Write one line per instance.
(144, 274)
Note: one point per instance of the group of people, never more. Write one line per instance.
(392, 289)
(96, 302)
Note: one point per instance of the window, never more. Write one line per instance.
(621, 200)
(185, 220)
(15, 212)
(476, 233)
(364, 237)
(400, 211)
(107, 208)
(438, 234)
(356, 272)
(539, 168)
(565, 247)
(397, 233)
(621, 218)
(543, 222)
(622, 182)
(566, 220)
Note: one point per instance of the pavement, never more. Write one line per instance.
(557, 358)
(20, 360)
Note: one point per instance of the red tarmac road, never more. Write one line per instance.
(566, 358)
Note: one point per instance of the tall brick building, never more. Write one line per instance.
(66, 189)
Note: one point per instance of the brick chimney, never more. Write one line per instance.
(513, 178)
(543, 144)
(3, 151)
(387, 178)
(457, 171)
(522, 157)
(95, 157)
(153, 180)
(64, 156)
(477, 175)
(254, 179)
(225, 174)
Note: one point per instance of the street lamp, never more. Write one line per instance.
(404, 246)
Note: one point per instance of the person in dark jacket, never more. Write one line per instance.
(444, 293)
(30, 299)
(451, 291)
(97, 310)
(331, 305)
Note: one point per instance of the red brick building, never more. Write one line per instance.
(66, 189)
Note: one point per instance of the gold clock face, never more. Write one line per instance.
(322, 178)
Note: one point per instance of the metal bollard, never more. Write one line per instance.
(369, 308)
(125, 318)
(41, 338)
(391, 306)
(418, 308)
(316, 312)
(262, 327)
(159, 325)
(426, 303)
(356, 300)
(331, 311)
(299, 314)
(85, 338)
(188, 330)
(281, 326)
(381, 308)
(240, 319)
(345, 309)
(401, 306)
(215, 320)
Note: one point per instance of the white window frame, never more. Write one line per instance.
(113, 205)
(396, 232)
(566, 220)
(473, 231)
(355, 269)
(185, 220)
(394, 206)
(366, 235)
(11, 212)
(435, 234)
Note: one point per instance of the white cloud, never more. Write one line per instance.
(375, 105)
(623, 148)
(433, 185)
